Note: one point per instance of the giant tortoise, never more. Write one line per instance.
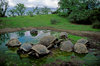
(84, 41)
(39, 50)
(80, 48)
(63, 35)
(66, 46)
(34, 31)
(25, 48)
(13, 43)
(48, 41)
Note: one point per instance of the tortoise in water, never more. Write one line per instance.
(38, 50)
(25, 48)
(66, 46)
(48, 41)
(80, 48)
(13, 43)
(63, 35)
(84, 41)
(34, 31)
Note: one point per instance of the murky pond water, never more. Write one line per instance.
(9, 56)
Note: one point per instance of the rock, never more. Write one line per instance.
(80, 48)
(48, 41)
(13, 43)
(66, 46)
(63, 35)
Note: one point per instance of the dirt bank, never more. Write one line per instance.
(90, 34)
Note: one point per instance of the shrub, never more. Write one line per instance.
(80, 17)
(96, 25)
(54, 21)
(0, 20)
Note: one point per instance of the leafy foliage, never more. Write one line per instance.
(20, 9)
(96, 25)
(45, 10)
(3, 7)
(12, 12)
(30, 13)
(80, 11)
(81, 17)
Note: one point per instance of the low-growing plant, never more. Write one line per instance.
(54, 21)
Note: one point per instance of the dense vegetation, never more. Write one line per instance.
(74, 11)
(3, 7)
(81, 11)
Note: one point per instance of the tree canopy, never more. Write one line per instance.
(3, 7)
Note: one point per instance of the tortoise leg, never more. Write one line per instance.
(50, 46)
(37, 55)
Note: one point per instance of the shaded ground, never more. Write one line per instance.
(90, 34)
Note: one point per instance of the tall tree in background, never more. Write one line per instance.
(45, 10)
(80, 11)
(12, 12)
(72, 5)
(68, 5)
(20, 9)
(3, 7)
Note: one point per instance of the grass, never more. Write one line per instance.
(42, 21)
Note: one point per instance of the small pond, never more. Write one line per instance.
(9, 56)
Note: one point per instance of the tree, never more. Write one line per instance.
(81, 11)
(12, 12)
(72, 5)
(68, 5)
(36, 10)
(20, 9)
(30, 13)
(3, 7)
(45, 10)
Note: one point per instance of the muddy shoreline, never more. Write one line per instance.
(90, 34)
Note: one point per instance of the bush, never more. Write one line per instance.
(84, 16)
(80, 17)
(54, 21)
(0, 20)
(96, 25)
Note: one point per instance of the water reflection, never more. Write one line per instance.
(13, 35)
(28, 38)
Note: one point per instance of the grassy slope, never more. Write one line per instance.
(43, 20)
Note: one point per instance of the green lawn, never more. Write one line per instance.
(43, 21)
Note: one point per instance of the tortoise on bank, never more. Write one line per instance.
(63, 35)
(38, 50)
(48, 41)
(25, 48)
(34, 31)
(80, 48)
(66, 46)
(13, 43)
(84, 41)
